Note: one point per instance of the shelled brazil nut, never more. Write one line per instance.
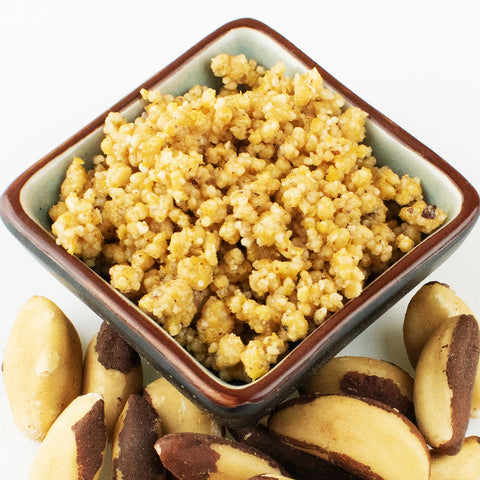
(176, 412)
(365, 377)
(74, 447)
(136, 431)
(42, 366)
(357, 434)
(432, 304)
(196, 456)
(444, 379)
(300, 464)
(113, 369)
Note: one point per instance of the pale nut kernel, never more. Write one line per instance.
(443, 384)
(42, 366)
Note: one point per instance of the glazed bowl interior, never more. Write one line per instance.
(38, 189)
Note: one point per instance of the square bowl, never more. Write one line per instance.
(25, 204)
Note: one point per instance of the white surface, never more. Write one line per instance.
(64, 63)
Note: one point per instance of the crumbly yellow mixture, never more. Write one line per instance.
(240, 219)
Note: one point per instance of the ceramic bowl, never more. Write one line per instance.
(25, 205)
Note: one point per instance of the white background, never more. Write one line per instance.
(63, 63)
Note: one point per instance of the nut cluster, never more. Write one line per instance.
(75, 405)
(353, 418)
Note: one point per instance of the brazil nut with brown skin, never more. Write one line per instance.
(367, 438)
(42, 366)
(74, 447)
(300, 464)
(113, 369)
(197, 456)
(136, 431)
(431, 305)
(364, 377)
(444, 381)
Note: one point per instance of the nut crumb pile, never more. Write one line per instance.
(240, 219)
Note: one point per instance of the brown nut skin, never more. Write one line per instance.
(197, 456)
(42, 366)
(465, 465)
(365, 377)
(357, 434)
(444, 381)
(431, 305)
(113, 369)
(301, 465)
(136, 431)
(74, 447)
(177, 413)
